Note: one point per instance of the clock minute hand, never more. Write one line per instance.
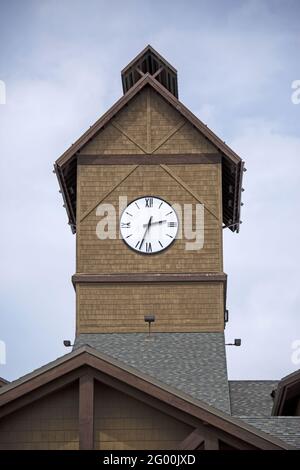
(148, 226)
(156, 222)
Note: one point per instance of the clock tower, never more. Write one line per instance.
(148, 190)
(162, 187)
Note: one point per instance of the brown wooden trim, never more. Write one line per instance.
(187, 188)
(88, 357)
(287, 389)
(64, 366)
(192, 441)
(166, 408)
(205, 415)
(140, 55)
(104, 196)
(148, 115)
(102, 121)
(211, 442)
(120, 129)
(169, 135)
(146, 159)
(209, 134)
(237, 214)
(29, 396)
(185, 405)
(148, 277)
(158, 72)
(66, 197)
(231, 440)
(86, 412)
(3, 382)
(145, 80)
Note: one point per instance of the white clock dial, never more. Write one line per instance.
(149, 225)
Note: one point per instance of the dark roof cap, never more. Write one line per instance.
(150, 61)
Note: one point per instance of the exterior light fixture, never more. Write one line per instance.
(237, 342)
(149, 319)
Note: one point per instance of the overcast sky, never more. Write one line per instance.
(236, 61)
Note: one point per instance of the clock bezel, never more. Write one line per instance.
(134, 249)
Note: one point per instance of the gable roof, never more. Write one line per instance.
(251, 397)
(287, 395)
(286, 428)
(65, 166)
(149, 60)
(87, 356)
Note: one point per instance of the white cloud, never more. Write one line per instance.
(263, 260)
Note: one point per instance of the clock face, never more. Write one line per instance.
(149, 225)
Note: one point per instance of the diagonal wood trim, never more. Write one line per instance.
(169, 135)
(148, 277)
(189, 190)
(140, 55)
(108, 193)
(148, 79)
(86, 412)
(102, 121)
(192, 441)
(150, 159)
(203, 128)
(148, 121)
(157, 72)
(120, 129)
(87, 356)
(139, 71)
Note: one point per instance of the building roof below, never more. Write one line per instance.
(251, 397)
(194, 363)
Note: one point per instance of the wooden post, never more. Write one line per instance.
(211, 442)
(86, 412)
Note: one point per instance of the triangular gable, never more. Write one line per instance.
(287, 396)
(232, 165)
(88, 365)
(147, 79)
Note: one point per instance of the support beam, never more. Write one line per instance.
(192, 441)
(86, 412)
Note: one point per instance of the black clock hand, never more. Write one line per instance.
(156, 222)
(148, 226)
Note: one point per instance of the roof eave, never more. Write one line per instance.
(208, 413)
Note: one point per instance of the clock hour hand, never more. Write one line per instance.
(156, 222)
(148, 226)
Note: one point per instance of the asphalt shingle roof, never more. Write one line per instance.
(194, 363)
(251, 397)
(286, 428)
